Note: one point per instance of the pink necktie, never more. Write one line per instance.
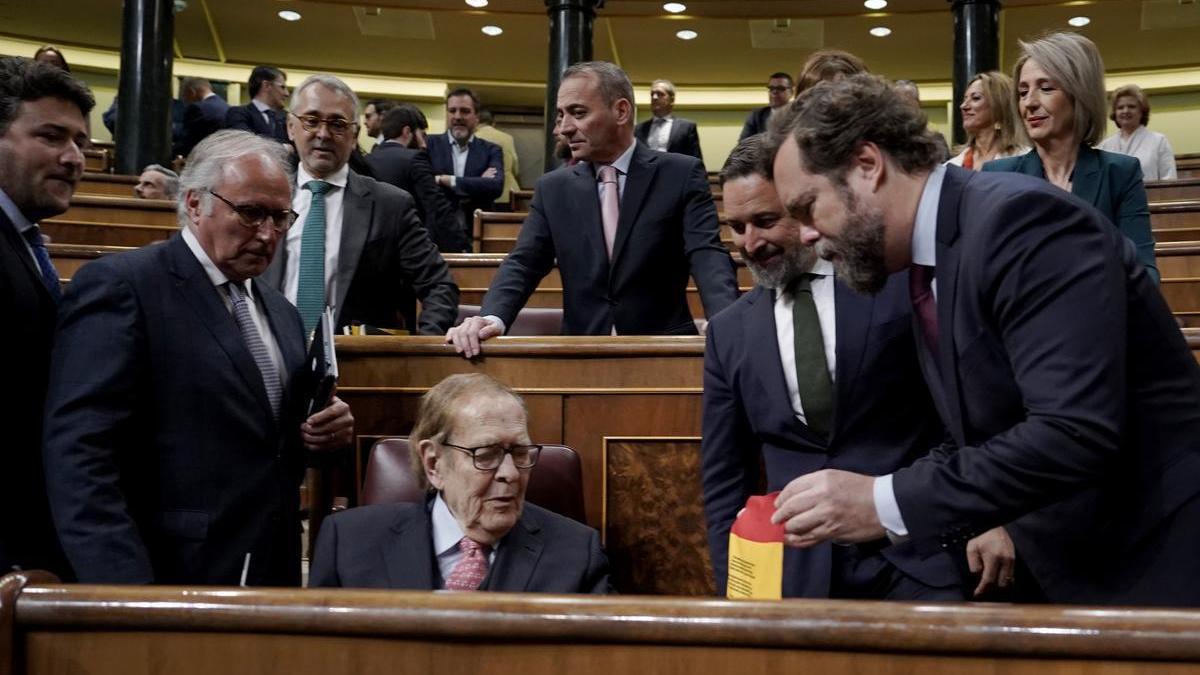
(610, 205)
(471, 569)
(920, 289)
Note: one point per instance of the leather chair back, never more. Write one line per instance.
(556, 483)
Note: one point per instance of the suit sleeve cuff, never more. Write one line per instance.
(498, 322)
(888, 510)
(453, 181)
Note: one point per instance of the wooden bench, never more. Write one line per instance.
(106, 184)
(1188, 166)
(119, 210)
(99, 160)
(1173, 190)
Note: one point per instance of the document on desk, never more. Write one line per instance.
(756, 552)
(322, 367)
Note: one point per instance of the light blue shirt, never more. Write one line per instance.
(924, 252)
(446, 535)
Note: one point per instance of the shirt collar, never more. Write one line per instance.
(454, 144)
(621, 164)
(337, 179)
(665, 118)
(924, 237)
(215, 275)
(446, 531)
(260, 106)
(822, 267)
(14, 214)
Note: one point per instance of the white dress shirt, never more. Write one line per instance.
(446, 535)
(267, 112)
(20, 222)
(1151, 148)
(334, 208)
(218, 279)
(924, 252)
(823, 298)
(660, 133)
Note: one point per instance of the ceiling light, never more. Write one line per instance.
(875, 4)
(674, 7)
(687, 35)
(477, 3)
(492, 31)
(881, 31)
(289, 15)
(1079, 21)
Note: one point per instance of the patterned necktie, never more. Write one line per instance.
(610, 205)
(310, 292)
(920, 289)
(812, 369)
(254, 342)
(33, 235)
(471, 569)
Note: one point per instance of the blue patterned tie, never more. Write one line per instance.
(258, 348)
(310, 293)
(49, 275)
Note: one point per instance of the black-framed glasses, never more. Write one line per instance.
(777, 88)
(336, 125)
(490, 457)
(253, 216)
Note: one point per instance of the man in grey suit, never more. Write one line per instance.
(1070, 396)
(358, 244)
(471, 449)
(664, 131)
(626, 224)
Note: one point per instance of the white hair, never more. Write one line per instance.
(207, 162)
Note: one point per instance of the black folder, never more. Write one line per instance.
(322, 363)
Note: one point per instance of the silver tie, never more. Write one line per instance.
(258, 349)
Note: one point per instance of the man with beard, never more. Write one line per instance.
(402, 161)
(469, 170)
(801, 374)
(1071, 398)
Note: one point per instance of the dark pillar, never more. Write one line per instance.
(976, 48)
(144, 94)
(570, 42)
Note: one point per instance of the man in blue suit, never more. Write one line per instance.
(205, 112)
(1069, 394)
(176, 413)
(627, 225)
(800, 374)
(264, 114)
(469, 169)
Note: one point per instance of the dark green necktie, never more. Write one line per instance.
(812, 371)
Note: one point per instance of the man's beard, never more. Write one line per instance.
(858, 255)
(796, 260)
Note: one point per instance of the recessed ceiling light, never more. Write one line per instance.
(687, 35)
(477, 3)
(289, 15)
(674, 7)
(1079, 21)
(875, 4)
(492, 31)
(881, 31)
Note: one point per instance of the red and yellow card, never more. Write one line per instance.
(756, 552)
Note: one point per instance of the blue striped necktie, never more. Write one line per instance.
(310, 293)
(254, 342)
(33, 236)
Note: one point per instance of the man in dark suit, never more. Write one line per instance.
(42, 131)
(176, 413)
(205, 112)
(401, 160)
(800, 374)
(663, 131)
(779, 92)
(469, 169)
(474, 531)
(358, 245)
(264, 114)
(626, 226)
(1071, 397)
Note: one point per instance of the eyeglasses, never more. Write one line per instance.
(778, 89)
(253, 216)
(336, 125)
(490, 457)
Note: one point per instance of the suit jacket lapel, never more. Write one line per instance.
(18, 247)
(517, 557)
(1085, 182)
(408, 552)
(197, 289)
(853, 314)
(637, 185)
(676, 133)
(946, 275)
(357, 206)
(584, 197)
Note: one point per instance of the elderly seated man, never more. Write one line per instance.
(474, 531)
(157, 182)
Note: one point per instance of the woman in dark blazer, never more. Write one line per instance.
(1060, 96)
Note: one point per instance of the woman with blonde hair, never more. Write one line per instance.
(990, 120)
(1131, 112)
(1060, 97)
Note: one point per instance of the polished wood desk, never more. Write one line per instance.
(119, 630)
(106, 184)
(1172, 190)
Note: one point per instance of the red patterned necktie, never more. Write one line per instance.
(471, 569)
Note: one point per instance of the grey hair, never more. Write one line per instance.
(206, 164)
(329, 82)
(670, 86)
(612, 82)
(171, 184)
(1074, 63)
